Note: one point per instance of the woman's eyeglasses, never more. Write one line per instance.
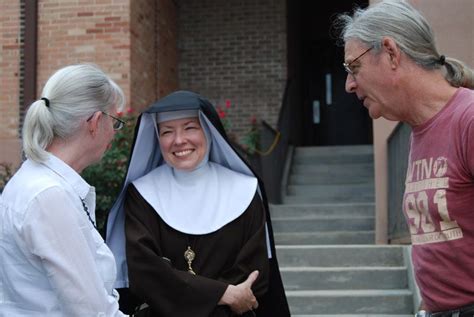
(118, 124)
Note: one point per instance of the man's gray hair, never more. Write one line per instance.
(398, 20)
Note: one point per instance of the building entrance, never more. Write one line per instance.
(327, 114)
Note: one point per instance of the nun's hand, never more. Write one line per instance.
(240, 297)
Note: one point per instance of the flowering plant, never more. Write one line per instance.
(250, 140)
(223, 115)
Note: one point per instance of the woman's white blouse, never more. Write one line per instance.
(53, 262)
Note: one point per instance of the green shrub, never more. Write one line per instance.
(250, 140)
(107, 176)
(6, 172)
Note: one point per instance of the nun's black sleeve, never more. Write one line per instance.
(253, 253)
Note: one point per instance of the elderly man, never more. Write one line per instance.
(395, 69)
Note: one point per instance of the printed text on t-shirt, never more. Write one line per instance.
(425, 191)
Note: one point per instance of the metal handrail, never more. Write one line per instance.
(272, 161)
(276, 139)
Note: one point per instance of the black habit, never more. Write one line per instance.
(158, 271)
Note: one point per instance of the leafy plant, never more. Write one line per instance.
(223, 115)
(107, 176)
(6, 172)
(250, 140)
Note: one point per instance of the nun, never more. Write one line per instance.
(191, 230)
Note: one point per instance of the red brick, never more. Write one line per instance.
(85, 14)
(94, 31)
(113, 19)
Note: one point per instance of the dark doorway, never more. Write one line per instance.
(327, 115)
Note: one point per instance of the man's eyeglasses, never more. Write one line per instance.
(347, 66)
(118, 124)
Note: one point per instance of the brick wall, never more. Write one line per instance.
(143, 53)
(133, 41)
(9, 80)
(74, 31)
(231, 50)
(167, 47)
(153, 32)
(236, 50)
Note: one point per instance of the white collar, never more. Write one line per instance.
(197, 202)
(68, 174)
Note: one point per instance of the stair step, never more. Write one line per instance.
(332, 190)
(349, 301)
(301, 210)
(329, 178)
(315, 169)
(339, 255)
(335, 150)
(340, 197)
(330, 159)
(330, 237)
(333, 155)
(322, 223)
(352, 315)
(344, 278)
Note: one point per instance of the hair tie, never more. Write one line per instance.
(442, 60)
(46, 101)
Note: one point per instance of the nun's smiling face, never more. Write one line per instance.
(182, 143)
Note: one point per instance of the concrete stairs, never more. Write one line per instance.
(324, 232)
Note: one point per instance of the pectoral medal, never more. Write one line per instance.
(189, 256)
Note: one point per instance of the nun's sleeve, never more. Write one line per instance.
(168, 291)
(253, 253)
